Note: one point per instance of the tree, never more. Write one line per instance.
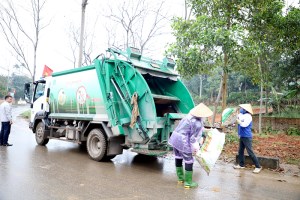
(13, 29)
(3, 90)
(87, 47)
(133, 17)
(210, 39)
(17, 85)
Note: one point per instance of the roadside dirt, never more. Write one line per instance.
(282, 146)
(279, 145)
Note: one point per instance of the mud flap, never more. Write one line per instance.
(114, 145)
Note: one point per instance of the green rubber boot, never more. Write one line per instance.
(188, 180)
(180, 175)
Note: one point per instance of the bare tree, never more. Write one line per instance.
(74, 43)
(83, 6)
(87, 43)
(140, 21)
(14, 31)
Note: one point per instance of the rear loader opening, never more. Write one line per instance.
(164, 101)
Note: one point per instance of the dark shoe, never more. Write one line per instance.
(8, 145)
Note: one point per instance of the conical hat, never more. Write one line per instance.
(201, 111)
(247, 107)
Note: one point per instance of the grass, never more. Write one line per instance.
(293, 161)
(26, 114)
(262, 135)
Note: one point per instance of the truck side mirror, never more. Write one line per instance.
(27, 92)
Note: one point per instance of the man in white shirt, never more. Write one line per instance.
(6, 120)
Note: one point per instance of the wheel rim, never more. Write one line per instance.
(40, 133)
(96, 145)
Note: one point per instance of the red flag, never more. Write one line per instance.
(47, 71)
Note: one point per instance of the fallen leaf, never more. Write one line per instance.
(281, 180)
(216, 189)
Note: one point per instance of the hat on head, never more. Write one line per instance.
(201, 111)
(247, 107)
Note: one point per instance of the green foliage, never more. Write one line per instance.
(231, 138)
(202, 42)
(293, 131)
(26, 114)
(3, 85)
(268, 130)
(17, 83)
(290, 29)
(249, 40)
(242, 97)
(292, 161)
(288, 112)
(287, 73)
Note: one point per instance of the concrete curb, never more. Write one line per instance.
(265, 162)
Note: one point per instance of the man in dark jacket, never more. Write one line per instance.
(244, 120)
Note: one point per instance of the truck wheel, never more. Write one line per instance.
(96, 144)
(40, 136)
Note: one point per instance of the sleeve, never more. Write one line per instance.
(193, 139)
(7, 111)
(194, 136)
(245, 119)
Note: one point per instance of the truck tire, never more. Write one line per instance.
(96, 144)
(40, 136)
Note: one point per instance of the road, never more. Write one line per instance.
(63, 170)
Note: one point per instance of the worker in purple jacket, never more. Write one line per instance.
(244, 120)
(185, 142)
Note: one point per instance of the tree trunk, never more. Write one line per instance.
(83, 6)
(34, 65)
(200, 89)
(261, 95)
(224, 82)
(267, 102)
(217, 102)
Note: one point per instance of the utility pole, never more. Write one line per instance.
(83, 6)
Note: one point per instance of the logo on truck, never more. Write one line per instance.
(81, 95)
(61, 97)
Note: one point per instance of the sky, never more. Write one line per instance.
(54, 48)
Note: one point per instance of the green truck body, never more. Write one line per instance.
(124, 101)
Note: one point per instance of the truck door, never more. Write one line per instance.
(38, 98)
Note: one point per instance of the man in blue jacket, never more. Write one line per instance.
(244, 120)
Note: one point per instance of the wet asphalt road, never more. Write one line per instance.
(63, 170)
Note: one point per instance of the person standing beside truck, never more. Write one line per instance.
(184, 141)
(6, 120)
(244, 120)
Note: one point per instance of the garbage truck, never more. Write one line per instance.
(123, 100)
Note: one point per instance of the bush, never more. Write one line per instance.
(231, 138)
(242, 97)
(293, 131)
